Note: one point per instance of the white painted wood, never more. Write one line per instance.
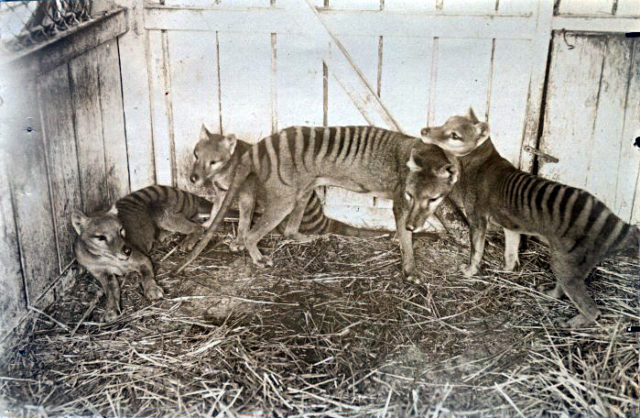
(85, 100)
(194, 91)
(569, 118)
(628, 8)
(410, 5)
(627, 202)
(462, 78)
(596, 25)
(159, 109)
(12, 297)
(62, 160)
(537, 80)
(406, 75)
(354, 4)
(517, 7)
(585, 7)
(364, 52)
(609, 121)
(508, 100)
(286, 19)
(469, 7)
(135, 79)
(246, 3)
(113, 128)
(245, 65)
(299, 81)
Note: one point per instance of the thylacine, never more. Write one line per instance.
(118, 242)
(287, 166)
(579, 229)
(212, 168)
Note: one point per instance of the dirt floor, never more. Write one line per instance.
(333, 330)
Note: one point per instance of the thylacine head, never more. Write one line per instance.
(432, 174)
(211, 156)
(459, 135)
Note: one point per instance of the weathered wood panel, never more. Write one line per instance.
(517, 7)
(194, 92)
(508, 99)
(628, 8)
(245, 66)
(60, 145)
(355, 4)
(410, 5)
(85, 99)
(591, 117)
(586, 7)
(113, 127)
(469, 7)
(160, 107)
(462, 78)
(28, 180)
(299, 81)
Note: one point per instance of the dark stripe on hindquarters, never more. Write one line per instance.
(263, 159)
(562, 207)
(145, 195)
(153, 192)
(181, 198)
(361, 135)
(513, 200)
(538, 203)
(366, 140)
(319, 141)
(350, 134)
(552, 199)
(606, 230)
(621, 236)
(576, 210)
(531, 192)
(508, 187)
(522, 192)
(291, 141)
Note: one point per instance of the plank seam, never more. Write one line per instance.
(21, 257)
(595, 119)
(166, 60)
(151, 107)
(124, 116)
(219, 83)
(104, 145)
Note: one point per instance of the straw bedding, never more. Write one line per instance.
(332, 330)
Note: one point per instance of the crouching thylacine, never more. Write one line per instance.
(118, 242)
(288, 165)
(579, 229)
(212, 168)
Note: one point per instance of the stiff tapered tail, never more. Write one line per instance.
(202, 244)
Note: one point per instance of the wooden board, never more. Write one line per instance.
(517, 7)
(628, 8)
(410, 5)
(60, 145)
(508, 99)
(585, 7)
(462, 78)
(245, 66)
(113, 127)
(194, 92)
(299, 81)
(160, 102)
(469, 7)
(30, 190)
(85, 100)
(12, 296)
(354, 4)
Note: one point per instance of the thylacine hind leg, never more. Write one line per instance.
(246, 206)
(511, 243)
(275, 210)
(477, 233)
(292, 227)
(177, 222)
(570, 277)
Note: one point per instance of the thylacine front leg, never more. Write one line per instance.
(246, 207)
(406, 241)
(111, 287)
(147, 280)
(477, 233)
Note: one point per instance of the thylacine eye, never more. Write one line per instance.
(407, 196)
(212, 163)
(195, 155)
(123, 233)
(455, 136)
(100, 237)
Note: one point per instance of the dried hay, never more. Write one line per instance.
(332, 330)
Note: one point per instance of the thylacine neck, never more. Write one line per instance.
(481, 156)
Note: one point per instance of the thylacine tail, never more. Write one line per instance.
(242, 167)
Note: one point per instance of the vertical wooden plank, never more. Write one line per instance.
(627, 201)
(410, 5)
(508, 101)
(569, 118)
(113, 128)
(462, 78)
(609, 123)
(159, 111)
(194, 91)
(28, 182)
(585, 7)
(364, 52)
(245, 65)
(60, 146)
(12, 296)
(469, 7)
(135, 79)
(628, 8)
(85, 99)
(299, 81)
(406, 75)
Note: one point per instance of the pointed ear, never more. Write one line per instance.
(472, 115)
(79, 221)
(204, 132)
(482, 131)
(412, 164)
(230, 142)
(449, 172)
